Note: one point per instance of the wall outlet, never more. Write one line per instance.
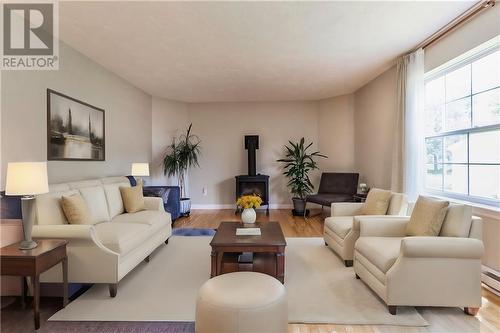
(204, 191)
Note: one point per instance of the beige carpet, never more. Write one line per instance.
(320, 289)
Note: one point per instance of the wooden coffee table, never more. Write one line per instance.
(268, 249)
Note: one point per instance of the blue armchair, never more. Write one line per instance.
(171, 196)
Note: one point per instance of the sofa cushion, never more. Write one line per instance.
(96, 201)
(340, 225)
(153, 218)
(49, 209)
(84, 183)
(133, 199)
(382, 252)
(114, 180)
(457, 221)
(75, 209)
(427, 217)
(398, 205)
(114, 198)
(377, 202)
(122, 237)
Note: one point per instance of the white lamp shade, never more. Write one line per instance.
(140, 169)
(26, 178)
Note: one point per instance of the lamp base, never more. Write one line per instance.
(27, 245)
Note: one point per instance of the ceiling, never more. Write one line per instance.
(250, 51)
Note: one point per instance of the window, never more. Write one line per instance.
(462, 128)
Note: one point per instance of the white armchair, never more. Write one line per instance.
(342, 230)
(420, 271)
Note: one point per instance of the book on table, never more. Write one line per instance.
(248, 232)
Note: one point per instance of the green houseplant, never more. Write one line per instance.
(182, 154)
(297, 165)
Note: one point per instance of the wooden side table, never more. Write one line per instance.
(31, 263)
(360, 197)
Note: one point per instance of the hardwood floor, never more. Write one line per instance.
(440, 319)
(291, 226)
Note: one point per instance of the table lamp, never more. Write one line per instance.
(27, 179)
(140, 170)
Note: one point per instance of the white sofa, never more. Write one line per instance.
(422, 271)
(341, 230)
(116, 242)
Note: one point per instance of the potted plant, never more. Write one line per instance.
(298, 162)
(181, 155)
(248, 203)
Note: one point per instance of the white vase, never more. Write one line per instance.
(248, 215)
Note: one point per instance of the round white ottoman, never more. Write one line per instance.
(242, 302)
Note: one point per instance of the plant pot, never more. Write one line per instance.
(248, 215)
(185, 207)
(299, 205)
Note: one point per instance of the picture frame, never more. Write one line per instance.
(75, 129)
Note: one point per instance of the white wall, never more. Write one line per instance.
(374, 116)
(24, 116)
(222, 127)
(336, 133)
(170, 119)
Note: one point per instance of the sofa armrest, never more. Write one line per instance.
(382, 226)
(346, 208)
(65, 231)
(81, 234)
(153, 203)
(442, 247)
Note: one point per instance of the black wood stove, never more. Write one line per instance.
(253, 183)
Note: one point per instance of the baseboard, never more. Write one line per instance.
(233, 206)
(491, 278)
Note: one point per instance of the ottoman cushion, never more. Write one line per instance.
(242, 302)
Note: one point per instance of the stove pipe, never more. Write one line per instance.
(251, 144)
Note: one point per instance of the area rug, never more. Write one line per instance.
(193, 232)
(320, 289)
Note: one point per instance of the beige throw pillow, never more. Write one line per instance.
(427, 217)
(377, 202)
(132, 197)
(75, 209)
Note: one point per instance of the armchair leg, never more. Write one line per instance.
(166, 241)
(357, 277)
(326, 244)
(146, 259)
(113, 287)
(392, 309)
(348, 263)
(471, 311)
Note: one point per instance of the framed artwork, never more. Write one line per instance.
(75, 129)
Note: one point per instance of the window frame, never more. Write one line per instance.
(461, 61)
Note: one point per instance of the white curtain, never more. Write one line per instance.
(408, 148)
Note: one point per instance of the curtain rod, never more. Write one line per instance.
(467, 15)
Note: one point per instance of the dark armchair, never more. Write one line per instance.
(335, 187)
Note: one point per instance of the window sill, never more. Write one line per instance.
(489, 211)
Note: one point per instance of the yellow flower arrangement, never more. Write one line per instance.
(249, 201)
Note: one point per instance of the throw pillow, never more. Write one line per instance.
(427, 217)
(132, 197)
(457, 221)
(75, 209)
(377, 202)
